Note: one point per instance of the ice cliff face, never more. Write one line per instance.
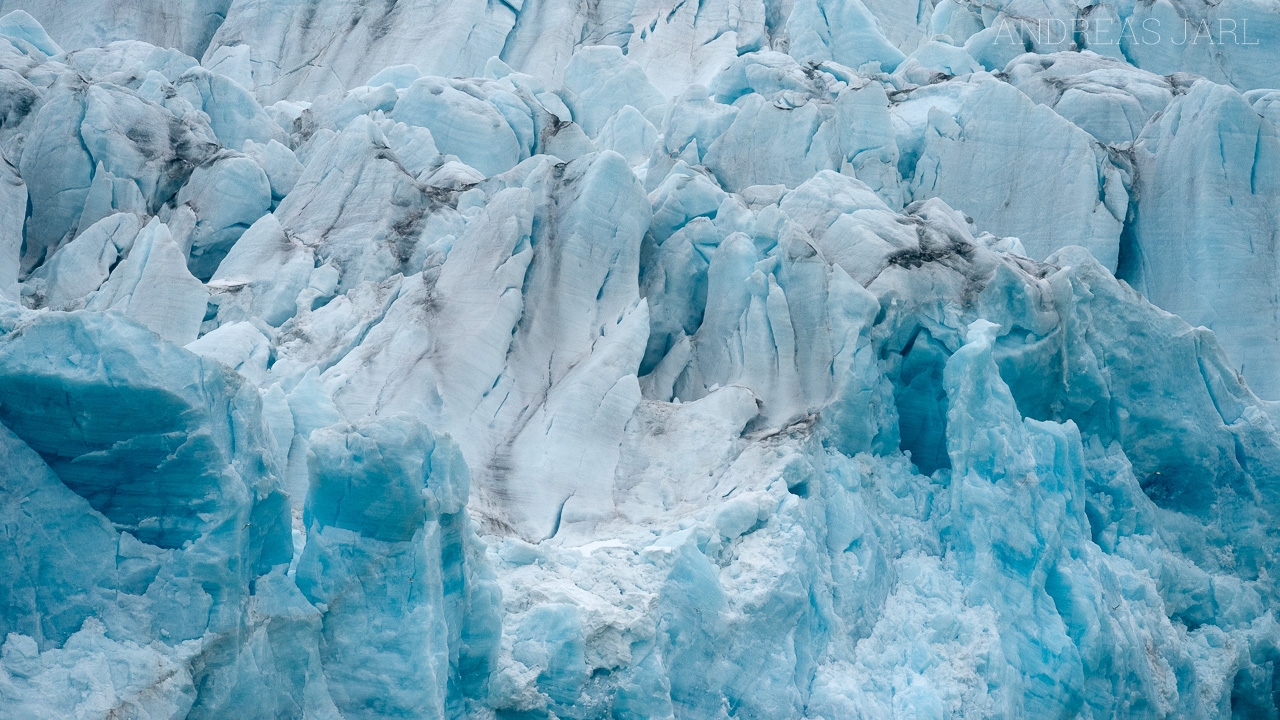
(639, 359)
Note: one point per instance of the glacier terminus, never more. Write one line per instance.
(640, 359)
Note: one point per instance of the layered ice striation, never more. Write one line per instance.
(639, 359)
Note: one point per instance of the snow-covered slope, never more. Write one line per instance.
(732, 359)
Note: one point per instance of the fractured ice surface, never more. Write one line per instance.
(639, 359)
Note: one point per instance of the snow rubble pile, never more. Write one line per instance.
(820, 359)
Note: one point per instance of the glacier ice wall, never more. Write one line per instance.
(525, 360)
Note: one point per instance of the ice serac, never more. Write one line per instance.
(216, 206)
(787, 124)
(157, 521)
(1083, 201)
(57, 169)
(681, 44)
(356, 205)
(600, 81)
(409, 624)
(154, 287)
(1204, 238)
(19, 25)
(1105, 97)
(263, 275)
(308, 48)
(80, 267)
(464, 326)
(186, 25)
(136, 138)
(97, 147)
(13, 201)
(534, 308)
(234, 115)
(460, 124)
(844, 31)
(579, 344)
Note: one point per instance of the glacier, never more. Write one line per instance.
(639, 359)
